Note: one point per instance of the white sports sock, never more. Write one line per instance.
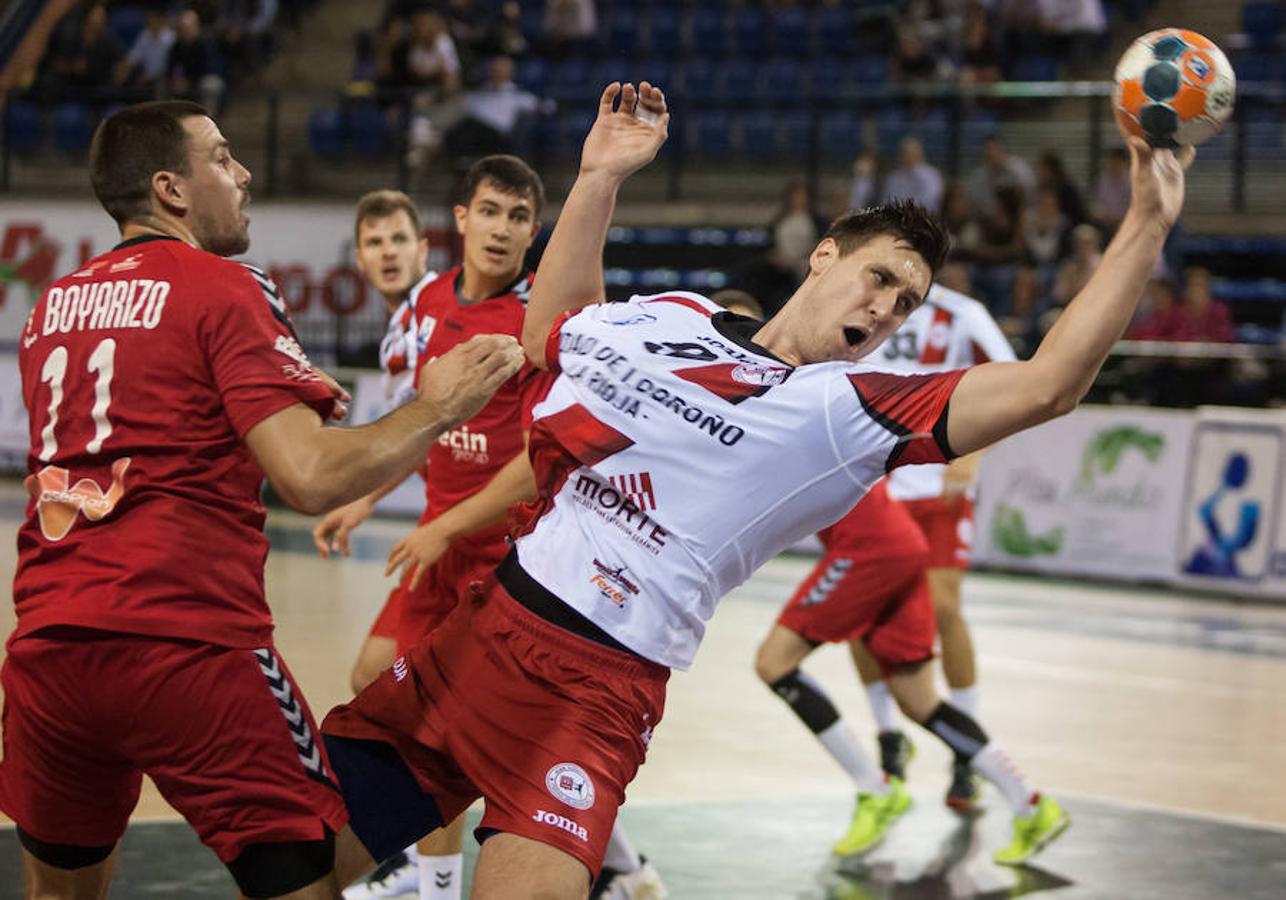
(994, 764)
(621, 854)
(883, 707)
(842, 744)
(966, 700)
(440, 877)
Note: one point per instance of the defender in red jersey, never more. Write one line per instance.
(162, 383)
(799, 430)
(392, 253)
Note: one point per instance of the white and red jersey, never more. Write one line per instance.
(397, 349)
(674, 457)
(948, 331)
(142, 372)
(466, 458)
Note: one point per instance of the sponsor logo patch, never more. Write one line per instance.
(545, 817)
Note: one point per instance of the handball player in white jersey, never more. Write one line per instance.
(675, 454)
(950, 331)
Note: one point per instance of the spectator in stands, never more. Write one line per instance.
(1200, 316)
(999, 169)
(569, 26)
(1157, 317)
(915, 62)
(1052, 174)
(503, 35)
(980, 51)
(493, 115)
(1111, 196)
(245, 34)
(795, 231)
(1086, 254)
(913, 179)
(194, 70)
(89, 59)
(958, 217)
(1074, 28)
(144, 65)
(427, 62)
(1046, 230)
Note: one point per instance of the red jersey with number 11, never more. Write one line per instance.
(142, 373)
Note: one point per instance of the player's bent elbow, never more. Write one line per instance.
(302, 497)
(533, 345)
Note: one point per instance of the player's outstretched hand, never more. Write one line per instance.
(1157, 179)
(331, 533)
(461, 381)
(627, 134)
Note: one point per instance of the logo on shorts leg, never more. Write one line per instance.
(544, 817)
(569, 783)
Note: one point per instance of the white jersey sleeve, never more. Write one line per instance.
(949, 331)
(398, 349)
(674, 457)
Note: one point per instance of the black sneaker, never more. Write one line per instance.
(896, 752)
(965, 791)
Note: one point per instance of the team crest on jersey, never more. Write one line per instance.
(939, 332)
(424, 331)
(569, 783)
(735, 382)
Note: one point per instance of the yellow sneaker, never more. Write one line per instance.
(872, 817)
(1032, 833)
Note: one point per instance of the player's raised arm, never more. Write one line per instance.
(995, 400)
(625, 137)
(315, 469)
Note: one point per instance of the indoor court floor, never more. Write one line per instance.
(1159, 720)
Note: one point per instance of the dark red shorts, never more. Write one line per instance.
(224, 733)
(442, 586)
(862, 593)
(386, 622)
(547, 726)
(947, 524)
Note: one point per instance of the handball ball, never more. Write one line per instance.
(1173, 87)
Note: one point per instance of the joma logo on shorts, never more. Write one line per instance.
(566, 824)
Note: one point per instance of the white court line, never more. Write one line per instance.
(1161, 808)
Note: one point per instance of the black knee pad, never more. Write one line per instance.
(63, 856)
(387, 809)
(270, 870)
(807, 699)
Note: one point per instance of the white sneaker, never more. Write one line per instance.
(402, 881)
(644, 883)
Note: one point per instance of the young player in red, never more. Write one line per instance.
(162, 383)
(678, 450)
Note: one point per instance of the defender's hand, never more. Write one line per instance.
(461, 381)
(331, 533)
(420, 549)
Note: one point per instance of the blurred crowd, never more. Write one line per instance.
(199, 50)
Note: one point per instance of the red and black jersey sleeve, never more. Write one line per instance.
(258, 366)
(912, 407)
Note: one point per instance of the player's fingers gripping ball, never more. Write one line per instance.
(1174, 88)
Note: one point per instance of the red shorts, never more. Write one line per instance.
(549, 727)
(224, 733)
(947, 523)
(385, 625)
(440, 590)
(863, 593)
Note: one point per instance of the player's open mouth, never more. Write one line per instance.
(854, 335)
(390, 271)
(496, 253)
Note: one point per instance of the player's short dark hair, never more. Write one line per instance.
(382, 204)
(906, 221)
(130, 146)
(509, 174)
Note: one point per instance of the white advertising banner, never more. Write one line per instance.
(307, 248)
(1233, 535)
(1098, 492)
(13, 416)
